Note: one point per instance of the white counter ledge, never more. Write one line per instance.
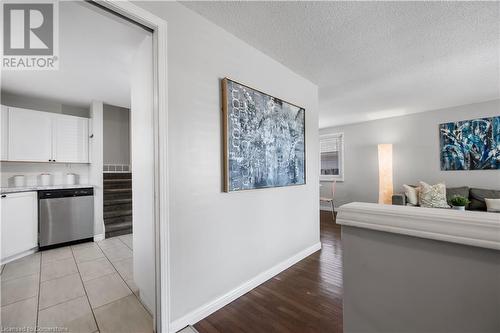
(473, 228)
(6, 190)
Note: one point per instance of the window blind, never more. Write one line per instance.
(331, 144)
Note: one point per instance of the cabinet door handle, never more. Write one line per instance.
(4, 196)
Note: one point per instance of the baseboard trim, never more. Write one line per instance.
(326, 207)
(99, 237)
(209, 308)
(19, 255)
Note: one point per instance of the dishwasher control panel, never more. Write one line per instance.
(64, 193)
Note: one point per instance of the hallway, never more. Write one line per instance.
(306, 298)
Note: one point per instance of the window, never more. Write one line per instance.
(332, 157)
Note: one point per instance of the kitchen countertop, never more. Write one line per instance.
(5, 190)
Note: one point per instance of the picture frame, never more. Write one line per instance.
(470, 144)
(255, 154)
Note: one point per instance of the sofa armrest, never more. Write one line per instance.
(399, 199)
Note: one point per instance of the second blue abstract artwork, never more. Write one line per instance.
(470, 144)
(264, 139)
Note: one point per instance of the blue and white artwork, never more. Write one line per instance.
(470, 144)
(264, 139)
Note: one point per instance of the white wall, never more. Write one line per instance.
(32, 172)
(116, 130)
(221, 240)
(42, 104)
(143, 172)
(415, 152)
(96, 159)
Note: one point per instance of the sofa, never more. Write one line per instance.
(476, 197)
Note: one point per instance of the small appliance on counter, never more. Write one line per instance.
(19, 181)
(71, 178)
(45, 179)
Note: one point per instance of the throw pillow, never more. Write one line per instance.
(477, 196)
(493, 205)
(433, 196)
(411, 194)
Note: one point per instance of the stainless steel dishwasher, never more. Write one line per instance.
(65, 215)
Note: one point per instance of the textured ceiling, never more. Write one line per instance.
(374, 60)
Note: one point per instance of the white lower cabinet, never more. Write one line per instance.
(19, 224)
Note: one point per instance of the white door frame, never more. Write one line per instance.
(161, 204)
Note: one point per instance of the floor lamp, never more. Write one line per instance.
(385, 185)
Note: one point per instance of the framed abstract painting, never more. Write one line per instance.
(263, 139)
(470, 144)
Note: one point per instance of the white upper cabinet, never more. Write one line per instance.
(36, 136)
(71, 139)
(4, 135)
(30, 135)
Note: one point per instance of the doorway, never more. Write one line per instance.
(119, 273)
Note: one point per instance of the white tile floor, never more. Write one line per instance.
(87, 287)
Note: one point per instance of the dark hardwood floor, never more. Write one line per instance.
(306, 298)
